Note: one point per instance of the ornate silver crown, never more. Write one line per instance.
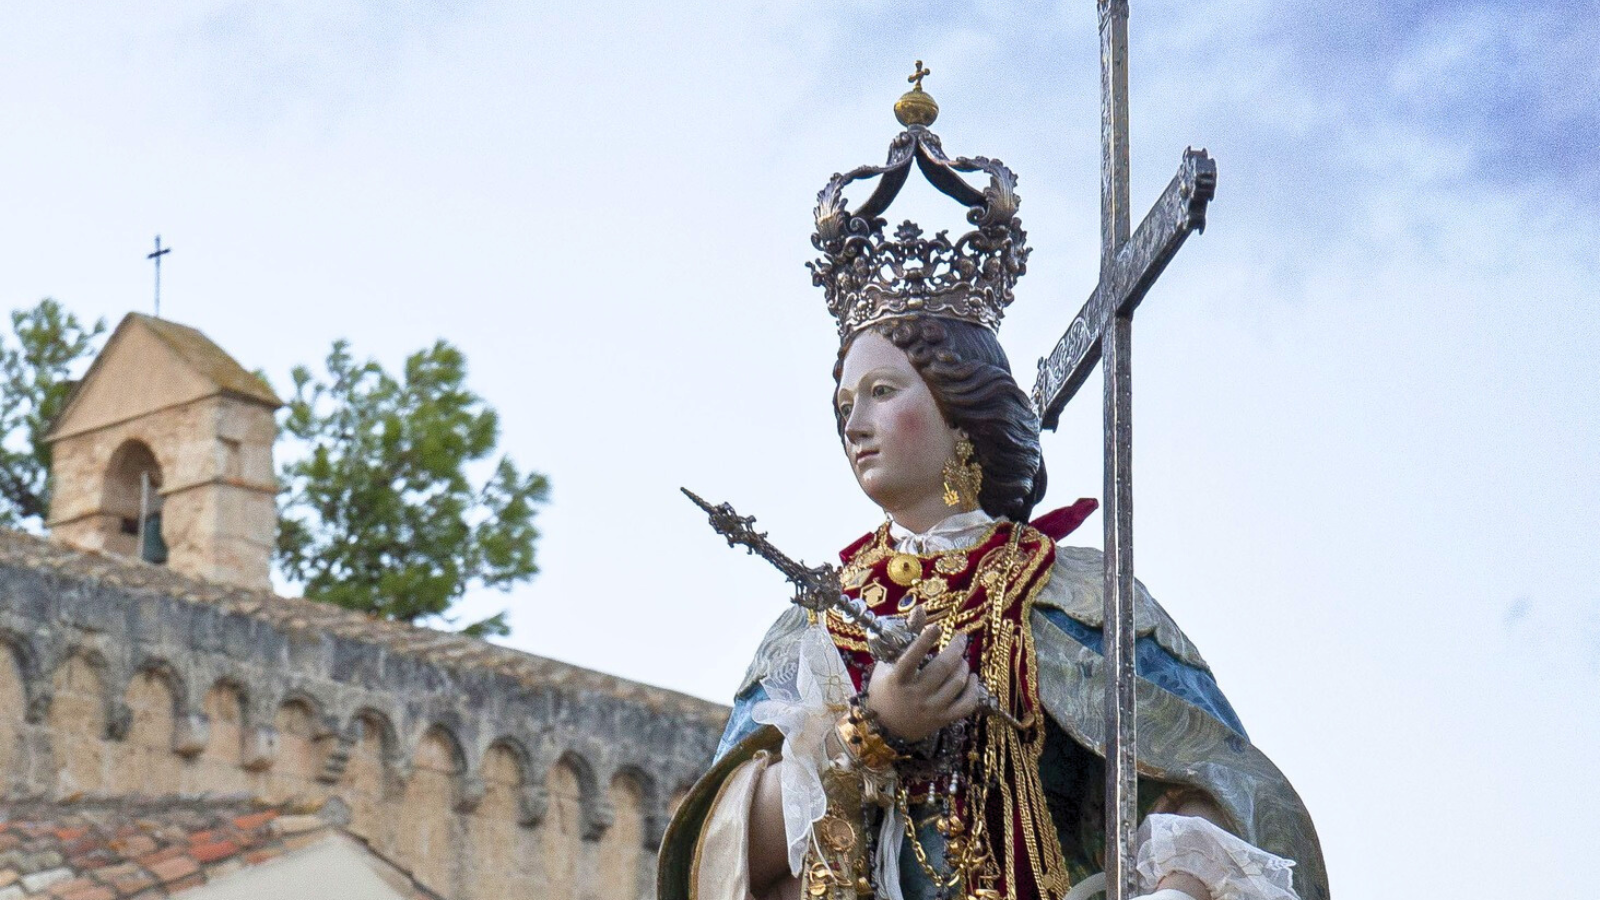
(867, 277)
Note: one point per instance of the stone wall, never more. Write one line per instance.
(487, 772)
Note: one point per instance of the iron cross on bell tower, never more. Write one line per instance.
(1102, 331)
(159, 252)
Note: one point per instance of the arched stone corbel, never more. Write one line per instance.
(191, 732)
(533, 803)
(260, 748)
(338, 758)
(119, 720)
(401, 768)
(655, 828)
(325, 725)
(470, 792)
(599, 816)
(39, 699)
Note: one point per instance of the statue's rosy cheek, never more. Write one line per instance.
(910, 421)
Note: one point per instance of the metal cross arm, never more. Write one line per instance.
(1133, 269)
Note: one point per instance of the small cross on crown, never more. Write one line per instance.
(916, 77)
(916, 106)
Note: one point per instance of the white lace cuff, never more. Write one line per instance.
(805, 697)
(1231, 868)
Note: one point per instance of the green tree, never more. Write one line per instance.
(380, 513)
(36, 362)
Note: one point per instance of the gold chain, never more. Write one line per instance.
(917, 850)
(994, 755)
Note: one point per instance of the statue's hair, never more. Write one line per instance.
(970, 379)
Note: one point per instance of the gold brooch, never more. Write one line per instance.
(951, 564)
(904, 569)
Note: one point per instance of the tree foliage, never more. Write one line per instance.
(380, 514)
(36, 362)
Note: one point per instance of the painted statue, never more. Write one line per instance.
(970, 767)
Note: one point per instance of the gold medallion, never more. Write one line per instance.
(951, 564)
(836, 834)
(905, 569)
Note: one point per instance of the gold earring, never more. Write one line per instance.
(962, 479)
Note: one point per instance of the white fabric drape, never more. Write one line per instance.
(1229, 867)
(804, 703)
(723, 857)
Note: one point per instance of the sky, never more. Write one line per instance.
(1367, 423)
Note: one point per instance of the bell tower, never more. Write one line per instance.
(163, 452)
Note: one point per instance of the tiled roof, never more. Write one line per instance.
(115, 849)
(296, 614)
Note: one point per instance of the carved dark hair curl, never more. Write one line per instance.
(970, 379)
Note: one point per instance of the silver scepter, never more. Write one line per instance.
(817, 588)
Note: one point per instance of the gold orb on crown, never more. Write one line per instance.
(916, 106)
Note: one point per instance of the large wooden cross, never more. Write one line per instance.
(1102, 331)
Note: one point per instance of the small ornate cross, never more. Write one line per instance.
(921, 73)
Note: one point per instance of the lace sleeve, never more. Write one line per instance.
(806, 692)
(1231, 868)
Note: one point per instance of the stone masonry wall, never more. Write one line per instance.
(218, 488)
(487, 772)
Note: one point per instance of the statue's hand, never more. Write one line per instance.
(912, 701)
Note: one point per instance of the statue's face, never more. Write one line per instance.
(894, 435)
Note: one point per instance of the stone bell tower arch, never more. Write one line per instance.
(132, 497)
(163, 452)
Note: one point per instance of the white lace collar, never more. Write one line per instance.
(954, 533)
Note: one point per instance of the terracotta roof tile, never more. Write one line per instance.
(143, 849)
(179, 865)
(215, 851)
(254, 821)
